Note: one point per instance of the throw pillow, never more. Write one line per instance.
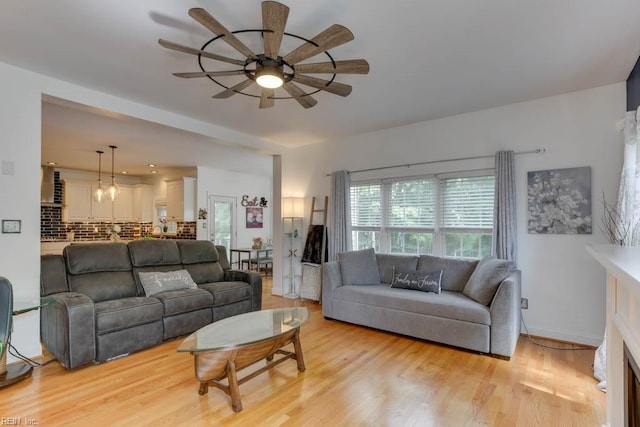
(155, 282)
(425, 282)
(485, 279)
(359, 267)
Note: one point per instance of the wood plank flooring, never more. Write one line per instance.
(355, 376)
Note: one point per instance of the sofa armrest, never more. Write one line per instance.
(331, 279)
(67, 328)
(506, 316)
(251, 277)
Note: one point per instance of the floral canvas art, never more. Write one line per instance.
(559, 201)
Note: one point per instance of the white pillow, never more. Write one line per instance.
(154, 282)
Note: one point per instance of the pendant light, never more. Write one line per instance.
(113, 191)
(99, 193)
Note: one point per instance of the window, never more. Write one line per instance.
(450, 216)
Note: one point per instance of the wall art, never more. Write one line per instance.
(559, 201)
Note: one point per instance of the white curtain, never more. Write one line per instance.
(628, 215)
(504, 215)
(340, 214)
(629, 193)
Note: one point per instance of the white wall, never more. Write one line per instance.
(565, 286)
(218, 182)
(19, 253)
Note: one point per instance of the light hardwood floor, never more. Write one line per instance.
(355, 376)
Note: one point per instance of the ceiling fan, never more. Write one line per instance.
(270, 70)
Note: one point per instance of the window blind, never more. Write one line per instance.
(467, 202)
(366, 205)
(411, 204)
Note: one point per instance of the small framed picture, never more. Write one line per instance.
(11, 226)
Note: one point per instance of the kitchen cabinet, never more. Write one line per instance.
(123, 206)
(143, 203)
(79, 204)
(181, 199)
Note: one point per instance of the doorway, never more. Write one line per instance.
(222, 224)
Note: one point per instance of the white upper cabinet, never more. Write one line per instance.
(143, 203)
(181, 199)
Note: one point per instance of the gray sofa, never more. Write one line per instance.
(478, 307)
(101, 309)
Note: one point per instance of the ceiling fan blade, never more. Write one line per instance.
(350, 66)
(274, 18)
(333, 36)
(332, 87)
(234, 89)
(307, 101)
(209, 73)
(209, 22)
(266, 98)
(187, 49)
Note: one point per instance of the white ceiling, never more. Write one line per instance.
(429, 58)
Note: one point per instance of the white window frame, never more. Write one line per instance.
(438, 231)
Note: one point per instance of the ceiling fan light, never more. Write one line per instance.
(270, 78)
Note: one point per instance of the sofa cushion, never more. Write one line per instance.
(450, 305)
(227, 292)
(102, 286)
(424, 282)
(153, 252)
(205, 272)
(125, 313)
(486, 278)
(96, 257)
(455, 272)
(184, 301)
(359, 267)
(387, 262)
(157, 281)
(197, 251)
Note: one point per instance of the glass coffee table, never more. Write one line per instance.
(223, 348)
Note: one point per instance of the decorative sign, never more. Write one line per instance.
(261, 202)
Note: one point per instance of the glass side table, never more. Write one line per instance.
(17, 372)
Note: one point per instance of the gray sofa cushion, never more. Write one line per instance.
(153, 252)
(97, 257)
(155, 282)
(451, 305)
(227, 292)
(206, 272)
(456, 272)
(387, 262)
(184, 301)
(359, 267)
(486, 278)
(105, 285)
(125, 313)
(197, 251)
(53, 275)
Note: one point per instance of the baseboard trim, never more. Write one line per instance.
(564, 336)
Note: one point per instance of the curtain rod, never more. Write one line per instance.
(408, 165)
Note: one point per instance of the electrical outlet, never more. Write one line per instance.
(524, 303)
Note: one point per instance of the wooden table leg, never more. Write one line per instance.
(298, 349)
(204, 388)
(234, 389)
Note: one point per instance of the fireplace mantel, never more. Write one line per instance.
(623, 320)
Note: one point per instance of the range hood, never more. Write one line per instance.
(47, 187)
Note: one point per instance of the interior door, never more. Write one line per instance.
(222, 224)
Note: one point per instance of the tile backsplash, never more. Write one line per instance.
(52, 227)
